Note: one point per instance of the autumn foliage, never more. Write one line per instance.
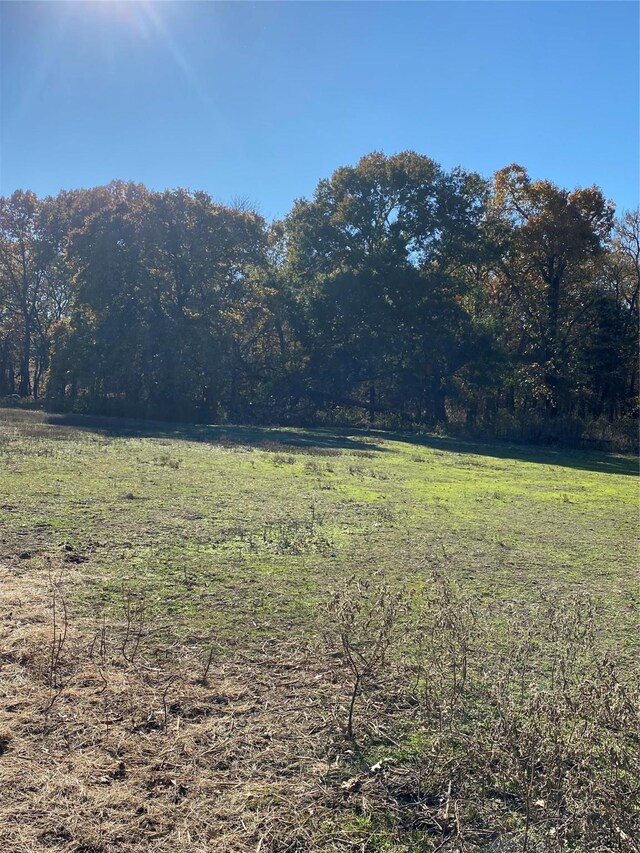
(400, 294)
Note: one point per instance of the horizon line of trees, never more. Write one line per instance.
(400, 294)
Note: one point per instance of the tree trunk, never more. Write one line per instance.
(24, 388)
(437, 401)
(5, 366)
(551, 348)
(36, 379)
(372, 404)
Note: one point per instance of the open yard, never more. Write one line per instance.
(176, 639)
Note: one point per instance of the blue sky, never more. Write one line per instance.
(260, 100)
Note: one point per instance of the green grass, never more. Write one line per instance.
(240, 536)
(243, 531)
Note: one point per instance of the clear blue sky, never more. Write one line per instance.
(261, 100)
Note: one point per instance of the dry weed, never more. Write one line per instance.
(462, 733)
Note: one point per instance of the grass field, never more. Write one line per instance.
(225, 544)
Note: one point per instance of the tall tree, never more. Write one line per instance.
(24, 259)
(546, 279)
(611, 347)
(165, 288)
(377, 260)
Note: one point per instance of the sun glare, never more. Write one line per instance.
(147, 20)
(138, 16)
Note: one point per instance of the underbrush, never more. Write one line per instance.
(486, 729)
(419, 720)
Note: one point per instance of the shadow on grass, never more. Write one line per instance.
(585, 460)
(266, 438)
(324, 439)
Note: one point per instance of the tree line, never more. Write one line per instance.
(400, 294)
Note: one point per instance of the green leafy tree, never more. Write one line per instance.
(166, 298)
(378, 264)
(610, 363)
(545, 282)
(24, 261)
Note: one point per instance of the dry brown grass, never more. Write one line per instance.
(389, 734)
(143, 755)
